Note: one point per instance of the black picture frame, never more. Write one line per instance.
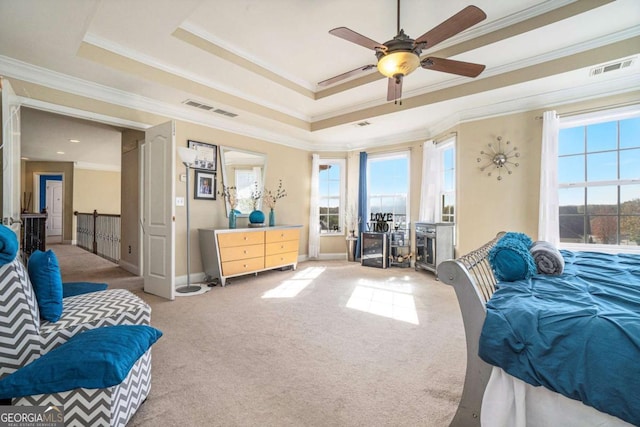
(205, 185)
(207, 158)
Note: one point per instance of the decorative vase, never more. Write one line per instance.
(272, 218)
(232, 218)
(256, 217)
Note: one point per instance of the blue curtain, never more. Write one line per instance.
(362, 200)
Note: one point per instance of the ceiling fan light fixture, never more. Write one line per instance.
(399, 62)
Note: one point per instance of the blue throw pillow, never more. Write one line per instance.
(44, 273)
(510, 258)
(8, 244)
(97, 358)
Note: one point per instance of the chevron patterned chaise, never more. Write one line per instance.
(24, 338)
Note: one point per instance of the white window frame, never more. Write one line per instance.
(342, 206)
(590, 119)
(442, 147)
(378, 156)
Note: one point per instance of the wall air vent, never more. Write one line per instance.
(362, 124)
(225, 113)
(196, 104)
(618, 65)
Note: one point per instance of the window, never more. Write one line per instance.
(599, 181)
(448, 191)
(246, 181)
(331, 183)
(388, 186)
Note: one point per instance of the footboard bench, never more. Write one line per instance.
(474, 283)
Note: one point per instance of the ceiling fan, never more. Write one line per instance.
(400, 56)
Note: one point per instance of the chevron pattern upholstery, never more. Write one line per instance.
(19, 319)
(92, 310)
(24, 338)
(113, 406)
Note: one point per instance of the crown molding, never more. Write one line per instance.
(142, 58)
(65, 83)
(205, 35)
(555, 98)
(81, 114)
(55, 80)
(500, 23)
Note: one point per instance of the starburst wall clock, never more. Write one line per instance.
(499, 158)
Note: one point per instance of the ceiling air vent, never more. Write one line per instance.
(196, 104)
(612, 66)
(225, 113)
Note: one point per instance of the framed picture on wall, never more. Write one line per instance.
(205, 187)
(207, 158)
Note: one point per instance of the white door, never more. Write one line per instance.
(54, 208)
(10, 157)
(158, 210)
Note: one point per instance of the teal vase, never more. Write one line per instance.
(256, 217)
(272, 218)
(232, 218)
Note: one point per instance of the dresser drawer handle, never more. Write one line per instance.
(245, 266)
(245, 251)
(245, 237)
(281, 246)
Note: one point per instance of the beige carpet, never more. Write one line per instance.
(297, 348)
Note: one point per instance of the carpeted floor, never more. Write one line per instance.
(330, 344)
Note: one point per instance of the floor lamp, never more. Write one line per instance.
(188, 157)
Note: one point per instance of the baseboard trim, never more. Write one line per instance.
(324, 257)
(131, 268)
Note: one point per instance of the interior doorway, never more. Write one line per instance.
(52, 200)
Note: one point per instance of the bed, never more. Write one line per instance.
(551, 349)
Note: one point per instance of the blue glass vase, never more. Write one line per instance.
(256, 217)
(232, 218)
(272, 218)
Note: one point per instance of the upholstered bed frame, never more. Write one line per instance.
(474, 283)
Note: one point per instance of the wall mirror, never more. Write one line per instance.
(243, 170)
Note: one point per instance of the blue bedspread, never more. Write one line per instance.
(577, 334)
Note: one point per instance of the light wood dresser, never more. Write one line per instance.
(233, 252)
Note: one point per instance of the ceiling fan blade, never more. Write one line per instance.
(468, 69)
(466, 18)
(394, 89)
(353, 37)
(346, 75)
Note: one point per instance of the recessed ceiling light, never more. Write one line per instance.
(74, 140)
(60, 152)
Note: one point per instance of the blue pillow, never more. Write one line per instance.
(97, 358)
(510, 258)
(44, 273)
(70, 289)
(8, 244)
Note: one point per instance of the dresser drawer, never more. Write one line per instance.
(282, 235)
(226, 240)
(281, 247)
(241, 252)
(249, 265)
(281, 259)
